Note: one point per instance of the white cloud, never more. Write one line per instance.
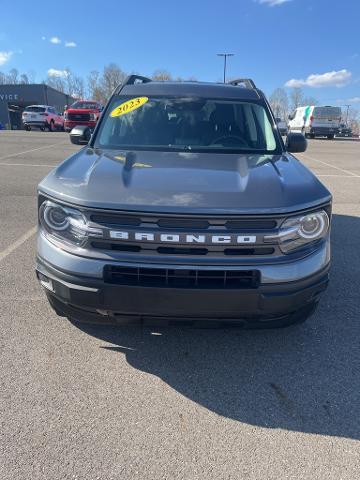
(53, 72)
(70, 44)
(329, 79)
(5, 57)
(55, 40)
(353, 100)
(43, 38)
(273, 3)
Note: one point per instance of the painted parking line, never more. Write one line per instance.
(27, 165)
(338, 176)
(11, 155)
(328, 164)
(11, 248)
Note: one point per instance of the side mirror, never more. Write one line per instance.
(80, 135)
(296, 143)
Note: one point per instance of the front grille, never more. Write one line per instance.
(85, 117)
(181, 278)
(164, 250)
(184, 223)
(182, 226)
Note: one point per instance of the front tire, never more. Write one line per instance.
(331, 137)
(51, 127)
(28, 128)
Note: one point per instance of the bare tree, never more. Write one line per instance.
(78, 87)
(112, 77)
(56, 82)
(31, 74)
(279, 103)
(297, 98)
(94, 87)
(353, 120)
(161, 75)
(310, 101)
(75, 85)
(24, 80)
(2, 78)
(93, 83)
(13, 76)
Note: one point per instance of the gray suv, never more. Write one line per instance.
(184, 205)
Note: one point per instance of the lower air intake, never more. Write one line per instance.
(181, 278)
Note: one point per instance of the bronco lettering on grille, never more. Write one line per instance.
(181, 237)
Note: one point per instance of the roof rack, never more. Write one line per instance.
(131, 80)
(246, 82)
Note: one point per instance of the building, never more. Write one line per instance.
(14, 98)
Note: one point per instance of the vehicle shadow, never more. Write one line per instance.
(303, 378)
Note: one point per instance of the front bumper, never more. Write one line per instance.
(70, 124)
(323, 131)
(35, 123)
(77, 289)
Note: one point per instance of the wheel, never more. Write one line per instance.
(312, 135)
(42, 129)
(27, 128)
(330, 137)
(51, 126)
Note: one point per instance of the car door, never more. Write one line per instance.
(59, 119)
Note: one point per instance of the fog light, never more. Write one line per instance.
(46, 282)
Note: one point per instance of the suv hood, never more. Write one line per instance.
(185, 182)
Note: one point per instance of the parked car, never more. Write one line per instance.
(344, 131)
(43, 117)
(82, 112)
(313, 121)
(282, 126)
(184, 205)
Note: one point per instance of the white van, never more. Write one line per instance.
(314, 121)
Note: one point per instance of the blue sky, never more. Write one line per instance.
(311, 43)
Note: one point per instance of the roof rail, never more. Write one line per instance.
(246, 82)
(131, 80)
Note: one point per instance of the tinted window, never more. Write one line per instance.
(327, 112)
(35, 109)
(195, 124)
(85, 105)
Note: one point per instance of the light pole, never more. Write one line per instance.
(225, 55)
(347, 114)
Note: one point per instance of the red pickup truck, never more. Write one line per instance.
(82, 112)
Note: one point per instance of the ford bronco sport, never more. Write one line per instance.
(184, 205)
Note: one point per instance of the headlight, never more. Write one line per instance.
(93, 116)
(66, 224)
(65, 115)
(296, 232)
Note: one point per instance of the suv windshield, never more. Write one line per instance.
(85, 105)
(194, 124)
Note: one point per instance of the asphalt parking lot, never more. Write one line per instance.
(105, 403)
